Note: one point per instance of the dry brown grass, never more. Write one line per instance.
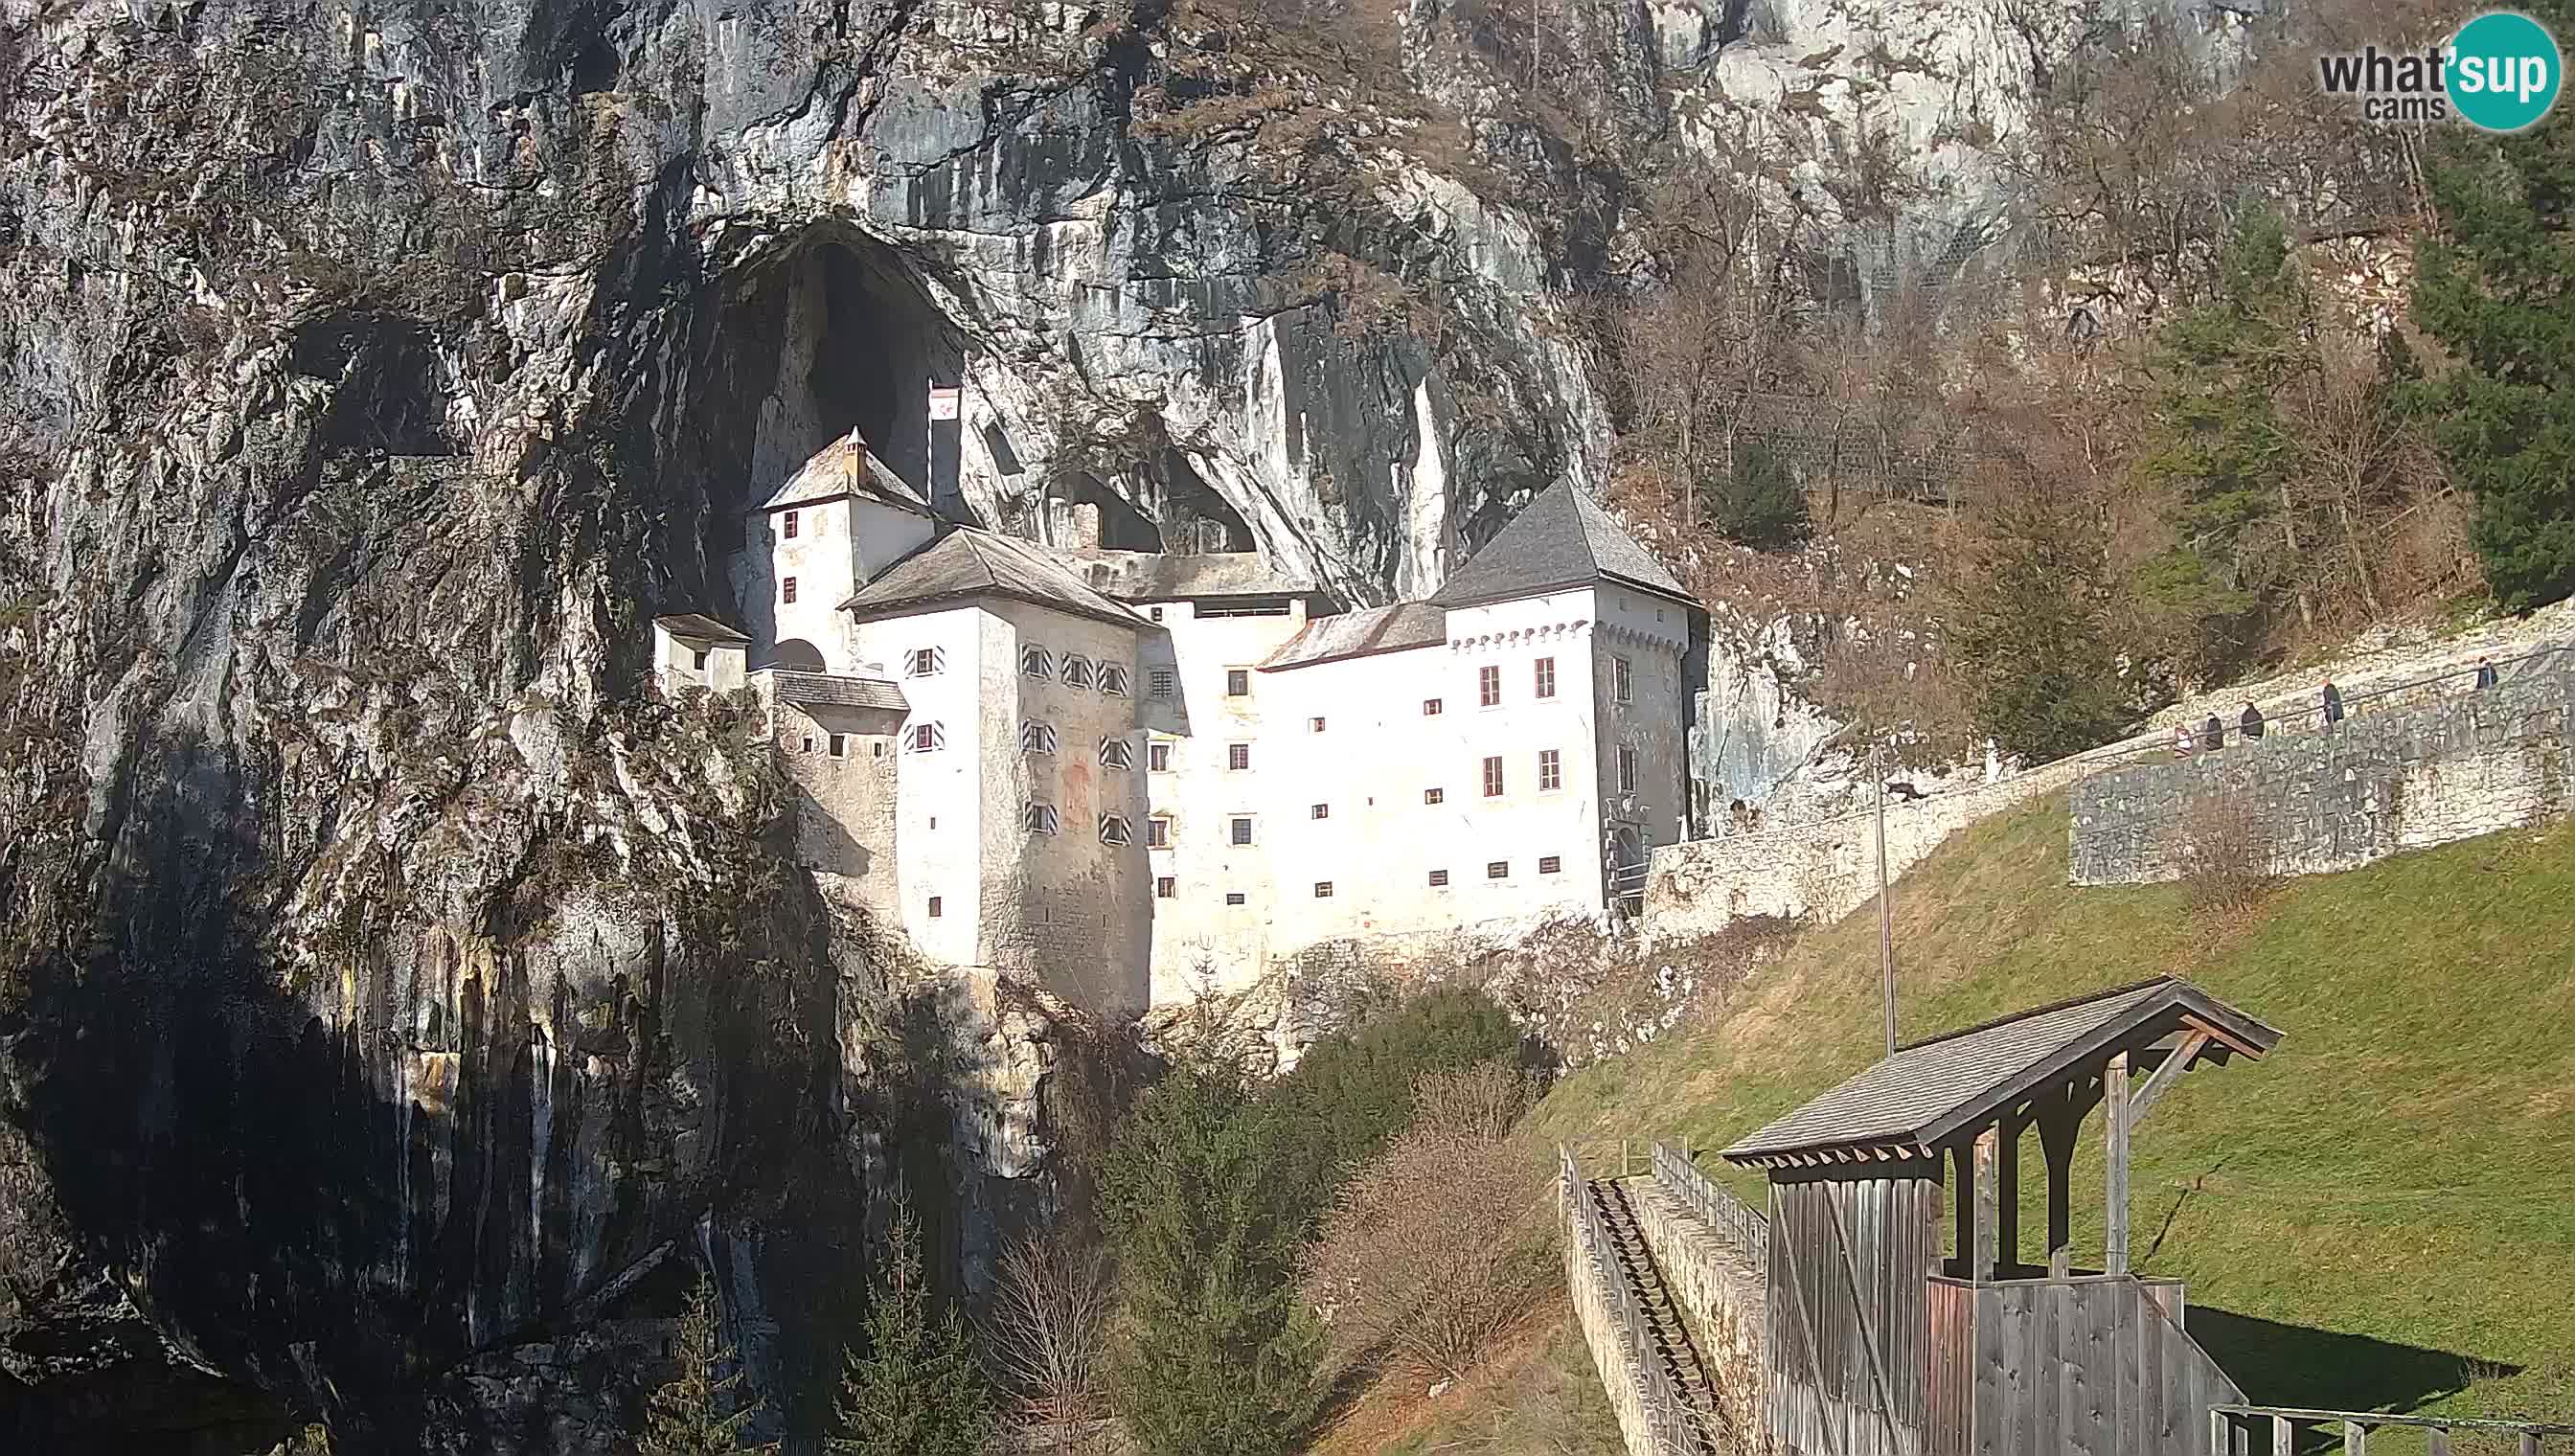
(2226, 848)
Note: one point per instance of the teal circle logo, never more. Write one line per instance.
(2503, 71)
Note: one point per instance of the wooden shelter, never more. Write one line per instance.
(1879, 1342)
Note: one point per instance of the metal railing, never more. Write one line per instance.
(2272, 1430)
(1732, 1218)
(1674, 1426)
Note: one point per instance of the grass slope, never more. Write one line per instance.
(2380, 1215)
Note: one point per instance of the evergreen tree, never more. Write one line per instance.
(1217, 1356)
(915, 1388)
(1756, 501)
(2029, 635)
(2493, 287)
(695, 1412)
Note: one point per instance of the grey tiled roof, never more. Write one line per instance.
(967, 564)
(1559, 539)
(845, 466)
(690, 623)
(829, 690)
(1358, 634)
(1139, 576)
(1961, 1080)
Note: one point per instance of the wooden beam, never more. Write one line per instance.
(1967, 1209)
(2285, 1436)
(1988, 1203)
(1814, 1358)
(2057, 1125)
(2355, 1439)
(2114, 1098)
(1868, 1337)
(2438, 1443)
(2006, 1200)
(2165, 1075)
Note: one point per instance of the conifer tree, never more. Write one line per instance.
(696, 1412)
(914, 1387)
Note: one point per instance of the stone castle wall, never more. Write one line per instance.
(2461, 766)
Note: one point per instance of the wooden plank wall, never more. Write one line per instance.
(2081, 1367)
(1847, 1330)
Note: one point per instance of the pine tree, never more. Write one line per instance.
(2492, 287)
(1217, 1355)
(695, 1412)
(915, 1388)
(2029, 635)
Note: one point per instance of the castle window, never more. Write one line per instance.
(1163, 683)
(790, 526)
(1322, 811)
(1036, 737)
(1627, 771)
(1157, 832)
(1622, 678)
(1238, 683)
(1497, 869)
(1077, 671)
(1242, 831)
(1165, 887)
(1434, 796)
(1037, 662)
(1550, 771)
(924, 738)
(809, 742)
(840, 746)
(934, 907)
(1493, 777)
(1155, 613)
(1114, 829)
(1113, 679)
(1234, 896)
(1547, 677)
(1550, 865)
(1159, 757)
(1431, 707)
(1322, 889)
(1314, 724)
(1238, 755)
(1117, 752)
(1489, 686)
(1439, 880)
(924, 662)
(787, 591)
(879, 746)
(697, 659)
(1039, 819)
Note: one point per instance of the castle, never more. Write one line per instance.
(1137, 778)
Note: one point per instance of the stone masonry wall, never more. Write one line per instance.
(1620, 1378)
(1723, 1295)
(2450, 770)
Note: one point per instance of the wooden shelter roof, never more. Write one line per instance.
(1918, 1099)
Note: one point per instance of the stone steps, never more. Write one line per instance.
(1673, 1348)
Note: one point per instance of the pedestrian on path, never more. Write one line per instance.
(2212, 734)
(2486, 674)
(2250, 725)
(2333, 703)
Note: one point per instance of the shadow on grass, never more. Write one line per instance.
(2292, 1365)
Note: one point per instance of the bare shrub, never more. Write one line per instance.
(1048, 1325)
(1435, 1246)
(2226, 853)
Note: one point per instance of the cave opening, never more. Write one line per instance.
(1195, 519)
(390, 397)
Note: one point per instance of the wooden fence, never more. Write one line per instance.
(2040, 1367)
(1731, 1218)
(2272, 1430)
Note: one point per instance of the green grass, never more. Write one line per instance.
(2379, 1215)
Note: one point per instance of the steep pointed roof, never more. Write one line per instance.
(1559, 539)
(967, 564)
(845, 466)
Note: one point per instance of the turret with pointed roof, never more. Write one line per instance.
(1559, 539)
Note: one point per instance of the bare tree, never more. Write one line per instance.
(1049, 1327)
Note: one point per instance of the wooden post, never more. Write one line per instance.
(2530, 1443)
(2439, 1443)
(2057, 1124)
(1968, 1196)
(2007, 1197)
(1988, 1190)
(2355, 1439)
(2285, 1436)
(2217, 1424)
(2114, 1100)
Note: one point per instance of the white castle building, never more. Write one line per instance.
(1135, 777)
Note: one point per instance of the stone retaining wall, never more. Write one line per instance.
(2454, 768)
(1721, 1293)
(1620, 1378)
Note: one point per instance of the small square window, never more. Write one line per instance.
(1116, 754)
(1238, 683)
(1439, 880)
(1547, 677)
(1165, 887)
(1322, 811)
(1039, 819)
(1159, 757)
(1155, 613)
(1493, 777)
(1431, 707)
(1157, 832)
(1234, 896)
(840, 748)
(1550, 771)
(1314, 724)
(787, 590)
(790, 526)
(1037, 738)
(1114, 829)
(1497, 869)
(879, 746)
(1238, 755)
(1489, 686)
(697, 661)
(924, 662)
(809, 742)
(1434, 796)
(1162, 683)
(1627, 771)
(1242, 831)
(1037, 662)
(934, 907)
(1113, 679)
(1322, 889)
(1550, 865)
(1077, 671)
(923, 737)
(1622, 679)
